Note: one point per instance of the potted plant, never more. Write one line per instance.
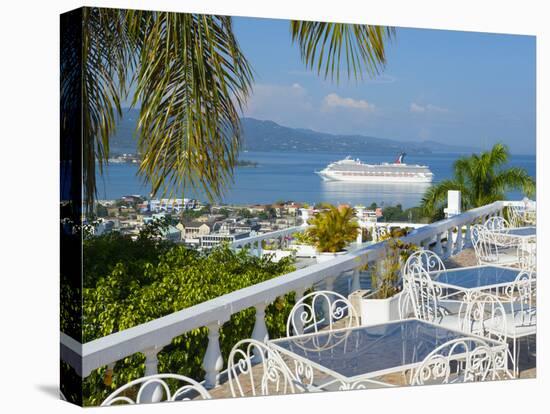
(332, 230)
(303, 245)
(381, 303)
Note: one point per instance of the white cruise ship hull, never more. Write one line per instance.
(332, 176)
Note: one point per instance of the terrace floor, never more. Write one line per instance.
(527, 360)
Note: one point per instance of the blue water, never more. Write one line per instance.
(290, 176)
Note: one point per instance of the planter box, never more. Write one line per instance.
(325, 257)
(374, 311)
(304, 250)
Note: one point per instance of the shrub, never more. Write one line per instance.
(147, 279)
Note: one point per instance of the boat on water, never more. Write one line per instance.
(353, 170)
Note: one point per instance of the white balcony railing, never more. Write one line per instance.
(150, 338)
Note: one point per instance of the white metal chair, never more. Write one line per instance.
(484, 315)
(460, 360)
(497, 223)
(424, 297)
(254, 369)
(488, 249)
(425, 259)
(521, 315)
(516, 216)
(509, 317)
(320, 310)
(499, 226)
(156, 388)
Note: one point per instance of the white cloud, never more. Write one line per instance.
(279, 103)
(332, 101)
(417, 108)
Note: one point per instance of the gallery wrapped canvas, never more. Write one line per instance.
(255, 207)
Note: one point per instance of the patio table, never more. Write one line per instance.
(351, 358)
(467, 279)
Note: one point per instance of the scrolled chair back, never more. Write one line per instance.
(157, 388)
(460, 360)
(424, 259)
(254, 369)
(484, 245)
(427, 260)
(423, 295)
(516, 215)
(318, 310)
(483, 314)
(522, 296)
(497, 223)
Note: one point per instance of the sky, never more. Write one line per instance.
(447, 86)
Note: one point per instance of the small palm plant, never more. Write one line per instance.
(333, 229)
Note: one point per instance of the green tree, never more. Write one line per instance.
(245, 213)
(139, 281)
(191, 80)
(482, 179)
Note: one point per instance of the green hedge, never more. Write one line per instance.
(128, 283)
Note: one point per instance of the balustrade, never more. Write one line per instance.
(149, 338)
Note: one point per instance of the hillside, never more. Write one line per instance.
(269, 136)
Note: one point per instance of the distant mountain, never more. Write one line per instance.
(269, 136)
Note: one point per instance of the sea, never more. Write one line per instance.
(291, 176)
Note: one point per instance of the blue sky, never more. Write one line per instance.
(447, 86)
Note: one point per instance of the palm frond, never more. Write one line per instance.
(193, 79)
(324, 45)
(107, 59)
(515, 178)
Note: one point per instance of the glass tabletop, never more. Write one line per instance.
(520, 231)
(477, 277)
(368, 350)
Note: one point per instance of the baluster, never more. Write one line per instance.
(459, 242)
(259, 250)
(213, 361)
(355, 280)
(449, 246)
(152, 392)
(259, 332)
(467, 236)
(329, 283)
(438, 249)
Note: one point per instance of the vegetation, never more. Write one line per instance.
(482, 179)
(333, 229)
(188, 215)
(385, 273)
(128, 283)
(191, 79)
(396, 213)
(303, 238)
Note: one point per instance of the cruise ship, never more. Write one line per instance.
(354, 170)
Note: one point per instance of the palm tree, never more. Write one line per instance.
(482, 179)
(191, 80)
